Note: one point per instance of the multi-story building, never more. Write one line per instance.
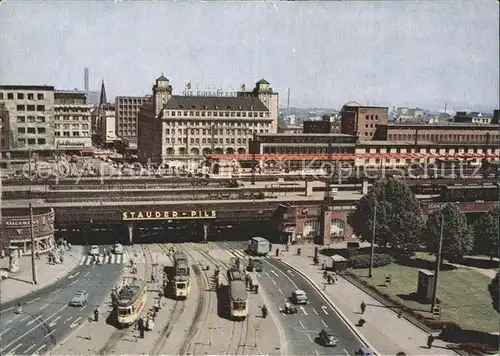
(127, 109)
(173, 127)
(404, 114)
(361, 120)
(72, 122)
(107, 125)
(4, 116)
(464, 134)
(327, 124)
(472, 118)
(290, 129)
(28, 120)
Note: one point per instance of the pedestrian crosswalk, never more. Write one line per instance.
(238, 253)
(110, 259)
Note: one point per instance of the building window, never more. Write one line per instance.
(20, 96)
(31, 130)
(66, 133)
(57, 133)
(20, 107)
(197, 113)
(261, 114)
(40, 119)
(21, 119)
(10, 96)
(31, 119)
(41, 130)
(1, 96)
(30, 107)
(191, 113)
(31, 141)
(41, 141)
(185, 113)
(203, 113)
(76, 134)
(21, 141)
(21, 130)
(376, 117)
(31, 96)
(40, 96)
(40, 108)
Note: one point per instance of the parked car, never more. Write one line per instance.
(299, 297)
(118, 249)
(94, 251)
(363, 351)
(80, 299)
(254, 264)
(327, 338)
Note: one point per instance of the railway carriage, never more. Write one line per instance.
(238, 296)
(130, 300)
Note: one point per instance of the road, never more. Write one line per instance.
(303, 328)
(46, 317)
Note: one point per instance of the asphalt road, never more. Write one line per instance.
(303, 328)
(46, 316)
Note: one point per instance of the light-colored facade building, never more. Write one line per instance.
(72, 122)
(28, 120)
(472, 118)
(173, 127)
(127, 109)
(107, 124)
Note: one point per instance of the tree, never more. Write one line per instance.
(458, 239)
(399, 220)
(494, 292)
(486, 231)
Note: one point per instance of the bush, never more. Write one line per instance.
(363, 261)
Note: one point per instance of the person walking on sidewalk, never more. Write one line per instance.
(430, 340)
(363, 307)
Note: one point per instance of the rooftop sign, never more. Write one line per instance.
(212, 90)
(168, 215)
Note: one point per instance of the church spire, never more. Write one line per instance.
(103, 100)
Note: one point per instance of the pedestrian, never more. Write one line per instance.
(37, 255)
(152, 277)
(323, 266)
(96, 314)
(430, 340)
(363, 307)
(329, 279)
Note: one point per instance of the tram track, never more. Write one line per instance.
(121, 333)
(240, 328)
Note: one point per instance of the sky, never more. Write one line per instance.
(394, 53)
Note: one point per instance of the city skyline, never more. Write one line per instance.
(405, 54)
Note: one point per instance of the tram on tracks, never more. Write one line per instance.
(130, 300)
(238, 297)
(181, 279)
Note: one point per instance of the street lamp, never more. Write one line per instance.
(372, 247)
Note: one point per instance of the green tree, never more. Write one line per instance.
(486, 231)
(399, 219)
(494, 292)
(458, 239)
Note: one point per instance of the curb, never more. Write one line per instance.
(46, 284)
(334, 307)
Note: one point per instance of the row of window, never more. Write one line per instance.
(209, 124)
(30, 107)
(208, 141)
(31, 119)
(215, 132)
(73, 126)
(31, 141)
(75, 109)
(31, 130)
(22, 96)
(398, 160)
(305, 150)
(217, 114)
(444, 137)
(425, 150)
(71, 134)
(371, 117)
(71, 118)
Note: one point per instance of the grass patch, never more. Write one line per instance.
(463, 294)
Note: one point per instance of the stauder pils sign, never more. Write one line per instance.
(168, 215)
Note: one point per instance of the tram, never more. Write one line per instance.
(130, 299)
(181, 280)
(238, 297)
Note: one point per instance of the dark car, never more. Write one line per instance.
(327, 338)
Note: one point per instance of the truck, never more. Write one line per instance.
(258, 246)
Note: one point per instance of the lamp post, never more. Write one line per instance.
(372, 246)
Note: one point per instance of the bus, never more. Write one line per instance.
(259, 246)
(181, 280)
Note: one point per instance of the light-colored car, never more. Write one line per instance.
(118, 249)
(80, 298)
(94, 251)
(299, 297)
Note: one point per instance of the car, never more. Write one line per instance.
(299, 297)
(118, 249)
(80, 299)
(254, 264)
(364, 351)
(94, 251)
(327, 338)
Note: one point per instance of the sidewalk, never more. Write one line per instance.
(383, 329)
(19, 284)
